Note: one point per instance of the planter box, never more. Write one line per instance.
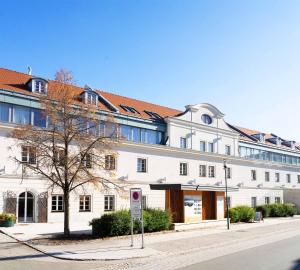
(6, 223)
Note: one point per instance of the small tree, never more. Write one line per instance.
(70, 151)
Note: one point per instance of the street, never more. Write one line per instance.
(274, 244)
(282, 255)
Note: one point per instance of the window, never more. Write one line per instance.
(183, 168)
(202, 146)
(277, 200)
(40, 87)
(253, 175)
(206, 119)
(59, 157)
(28, 154)
(21, 115)
(210, 147)
(253, 202)
(57, 203)
(298, 177)
(91, 98)
(228, 173)
(267, 176)
(202, 170)
(129, 109)
(153, 115)
(267, 200)
(87, 161)
(109, 203)
(144, 202)
(211, 171)
(110, 162)
(277, 177)
(84, 203)
(183, 143)
(227, 150)
(288, 178)
(5, 112)
(142, 165)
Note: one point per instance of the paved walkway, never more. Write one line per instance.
(157, 244)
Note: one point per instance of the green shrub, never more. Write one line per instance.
(242, 213)
(291, 209)
(234, 215)
(156, 220)
(119, 223)
(277, 210)
(8, 217)
(264, 209)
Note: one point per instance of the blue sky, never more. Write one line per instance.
(241, 56)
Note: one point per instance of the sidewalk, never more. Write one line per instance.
(157, 244)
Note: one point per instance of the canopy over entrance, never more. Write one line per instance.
(191, 187)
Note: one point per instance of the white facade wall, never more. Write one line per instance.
(163, 166)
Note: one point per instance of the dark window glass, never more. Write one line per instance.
(4, 112)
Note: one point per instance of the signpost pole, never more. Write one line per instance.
(226, 194)
(142, 223)
(131, 219)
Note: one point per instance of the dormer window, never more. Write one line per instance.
(153, 115)
(40, 87)
(89, 96)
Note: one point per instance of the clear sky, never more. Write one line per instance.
(241, 56)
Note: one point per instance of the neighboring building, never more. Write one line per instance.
(176, 157)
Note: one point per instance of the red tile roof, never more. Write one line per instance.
(16, 81)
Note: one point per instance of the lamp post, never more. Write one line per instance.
(226, 195)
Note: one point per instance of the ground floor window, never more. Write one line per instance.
(277, 200)
(84, 203)
(211, 171)
(253, 201)
(57, 203)
(109, 203)
(267, 200)
(144, 202)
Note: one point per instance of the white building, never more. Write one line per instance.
(176, 157)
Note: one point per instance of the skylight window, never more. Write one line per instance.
(153, 115)
(129, 109)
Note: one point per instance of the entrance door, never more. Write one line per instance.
(26, 207)
(208, 205)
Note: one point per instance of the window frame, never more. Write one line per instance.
(253, 201)
(288, 178)
(85, 209)
(203, 143)
(210, 146)
(210, 175)
(183, 143)
(228, 150)
(277, 179)
(109, 208)
(26, 153)
(139, 168)
(253, 175)
(267, 179)
(202, 173)
(110, 162)
(183, 168)
(267, 200)
(56, 210)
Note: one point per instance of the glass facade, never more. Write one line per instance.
(21, 115)
(16, 114)
(142, 135)
(252, 153)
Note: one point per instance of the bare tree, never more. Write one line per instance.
(70, 151)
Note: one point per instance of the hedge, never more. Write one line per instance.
(242, 213)
(118, 223)
(277, 210)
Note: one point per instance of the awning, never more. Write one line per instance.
(192, 187)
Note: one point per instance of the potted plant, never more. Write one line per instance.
(7, 220)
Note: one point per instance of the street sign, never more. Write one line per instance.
(136, 203)
(136, 211)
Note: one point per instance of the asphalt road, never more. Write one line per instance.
(282, 255)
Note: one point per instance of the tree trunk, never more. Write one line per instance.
(66, 213)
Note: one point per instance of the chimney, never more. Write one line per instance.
(29, 70)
